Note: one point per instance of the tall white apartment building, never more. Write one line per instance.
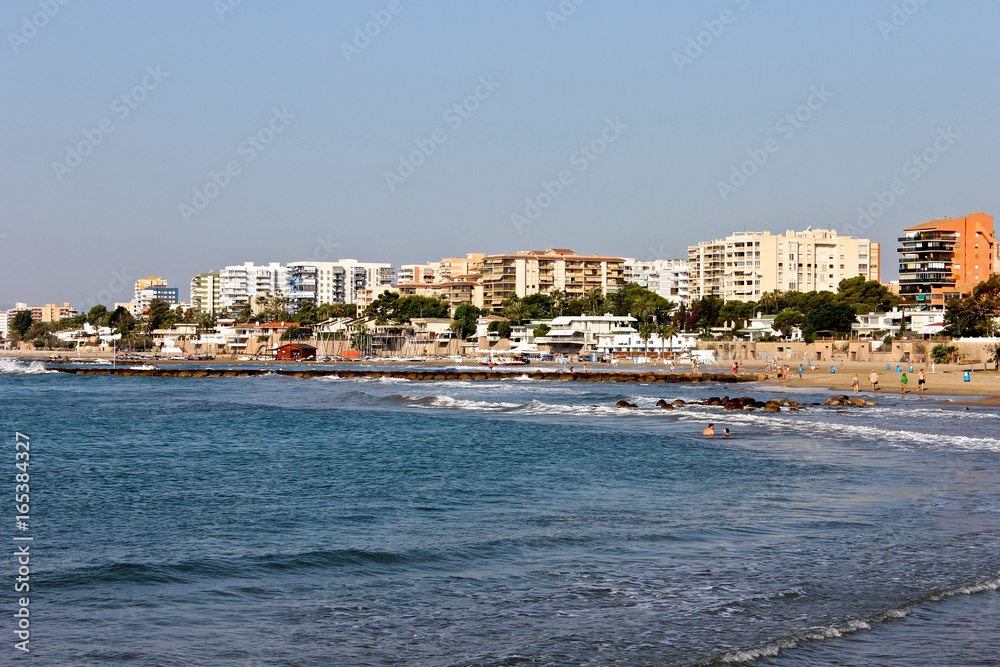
(238, 284)
(337, 282)
(666, 277)
(745, 265)
(206, 290)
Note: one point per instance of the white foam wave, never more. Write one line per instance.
(465, 404)
(21, 368)
(847, 627)
(904, 439)
(970, 589)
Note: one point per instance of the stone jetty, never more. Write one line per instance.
(436, 375)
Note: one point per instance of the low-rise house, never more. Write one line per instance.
(630, 345)
(919, 323)
(573, 334)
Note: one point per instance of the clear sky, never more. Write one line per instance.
(309, 117)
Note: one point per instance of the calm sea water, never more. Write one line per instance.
(280, 521)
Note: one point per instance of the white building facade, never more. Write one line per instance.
(666, 277)
(746, 265)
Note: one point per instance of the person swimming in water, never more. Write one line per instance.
(710, 430)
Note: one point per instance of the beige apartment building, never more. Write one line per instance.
(51, 312)
(746, 265)
(449, 268)
(456, 292)
(534, 271)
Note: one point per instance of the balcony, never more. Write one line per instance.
(925, 277)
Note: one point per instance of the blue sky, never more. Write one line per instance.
(665, 98)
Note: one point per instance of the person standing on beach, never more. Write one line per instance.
(873, 378)
(902, 385)
(921, 378)
(855, 384)
(801, 370)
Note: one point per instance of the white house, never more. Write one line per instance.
(572, 334)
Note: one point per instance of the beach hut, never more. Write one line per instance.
(296, 352)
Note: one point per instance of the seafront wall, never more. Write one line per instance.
(836, 351)
(424, 375)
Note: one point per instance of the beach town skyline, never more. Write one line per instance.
(226, 132)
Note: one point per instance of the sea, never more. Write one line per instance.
(279, 521)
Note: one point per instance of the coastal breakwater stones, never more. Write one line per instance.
(743, 403)
(845, 401)
(422, 375)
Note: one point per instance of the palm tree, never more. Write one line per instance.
(514, 310)
(769, 300)
(595, 299)
(666, 331)
(558, 302)
(645, 333)
(645, 310)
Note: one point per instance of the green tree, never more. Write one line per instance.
(866, 296)
(769, 301)
(645, 333)
(786, 320)
(514, 310)
(832, 317)
(98, 316)
(538, 306)
(943, 353)
(464, 324)
(306, 314)
(595, 300)
(159, 313)
(644, 310)
(975, 314)
(20, 324)
(666, 332)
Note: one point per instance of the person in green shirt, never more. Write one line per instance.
(902, 385)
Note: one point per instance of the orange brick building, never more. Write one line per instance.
(946, 258)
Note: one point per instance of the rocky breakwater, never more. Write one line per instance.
(430, 374)
(845, 401)
(743, 404)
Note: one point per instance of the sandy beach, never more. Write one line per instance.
(947, 380)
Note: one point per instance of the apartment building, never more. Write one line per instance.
(533, 271)
(946, 258)
(746, 265)
(465, 290)
(50, 312)
(240, 283)
(342, 281)
(418, 273)
(667, 277)
(448, 268)
(206, 290)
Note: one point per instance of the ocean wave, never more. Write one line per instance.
(849, 626)
(904, 439)
(219, 568)
(22, 368)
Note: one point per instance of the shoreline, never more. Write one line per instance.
(948, 381)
